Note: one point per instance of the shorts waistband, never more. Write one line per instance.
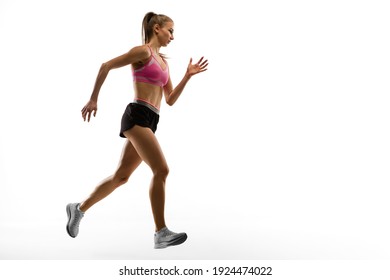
(146, 104)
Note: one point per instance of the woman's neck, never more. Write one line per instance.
(154, 46)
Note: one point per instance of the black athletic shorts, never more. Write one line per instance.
(139, 114)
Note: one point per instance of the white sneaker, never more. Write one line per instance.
(74, 218)
(165, 238)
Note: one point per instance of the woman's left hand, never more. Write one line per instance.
(197, 68)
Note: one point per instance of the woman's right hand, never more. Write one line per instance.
(89, 108)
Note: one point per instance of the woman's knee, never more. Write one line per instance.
(161, 172)
(120, 178)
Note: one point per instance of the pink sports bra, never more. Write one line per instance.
(152, 72)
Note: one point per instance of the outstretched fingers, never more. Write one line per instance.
(202, 64)
(200, 60)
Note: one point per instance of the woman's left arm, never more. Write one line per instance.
(172, 94)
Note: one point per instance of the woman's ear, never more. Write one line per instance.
(156, 28)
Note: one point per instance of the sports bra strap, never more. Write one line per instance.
(151, 51)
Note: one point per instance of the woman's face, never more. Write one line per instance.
(165, 33)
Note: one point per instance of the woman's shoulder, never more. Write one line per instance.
(142, 53)
(141, 50)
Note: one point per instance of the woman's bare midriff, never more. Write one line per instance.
(147, 92)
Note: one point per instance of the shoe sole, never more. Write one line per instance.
(174, 242)
(69, 217)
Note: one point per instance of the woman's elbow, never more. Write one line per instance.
(170, 102)
(105, 67)
(168, 97)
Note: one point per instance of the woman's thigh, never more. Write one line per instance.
(148, 148)
(129, 160)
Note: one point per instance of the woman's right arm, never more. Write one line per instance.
(136, 54)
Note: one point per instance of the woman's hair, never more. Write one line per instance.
(150, 19)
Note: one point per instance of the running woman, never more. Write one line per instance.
(151, 82)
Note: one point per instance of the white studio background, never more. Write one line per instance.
(279, 151)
